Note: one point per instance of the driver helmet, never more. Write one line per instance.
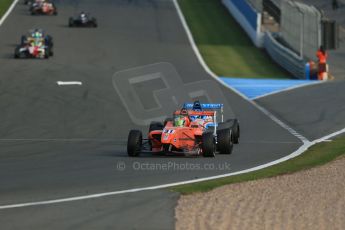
(83, 14)
(182, 120)
(197, 106)
(179, 121)
(37, 34)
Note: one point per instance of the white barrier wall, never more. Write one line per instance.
(255, 34)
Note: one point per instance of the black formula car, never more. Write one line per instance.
(83, 20)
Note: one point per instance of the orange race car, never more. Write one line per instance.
(193, 130)
(43, 7)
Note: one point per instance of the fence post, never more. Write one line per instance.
(302, 33)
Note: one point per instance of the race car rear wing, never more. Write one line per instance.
(194, 106)
(203, 106)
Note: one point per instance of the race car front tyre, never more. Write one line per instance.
(134, 143)
(94, 22)
(18, 54)
(225, 141)
(21, 55)
(71, 22)
(50, 52)
(208, 146)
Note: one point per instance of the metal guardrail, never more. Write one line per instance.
(286, 58)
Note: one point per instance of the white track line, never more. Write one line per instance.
(303, 148)
(69, 83)
(9, 10)
(289, 89)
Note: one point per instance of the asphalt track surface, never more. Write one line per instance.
(64, 141)
(314, 111)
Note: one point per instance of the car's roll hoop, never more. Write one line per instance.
(197, 106)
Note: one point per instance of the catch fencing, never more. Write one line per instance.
(301, 28)
(300, 35)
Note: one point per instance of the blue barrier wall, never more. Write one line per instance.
(247, 11)
(248, 18)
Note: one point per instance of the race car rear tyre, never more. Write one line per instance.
(18, 54)
(236, 131)
(47, 53)
(156, 125)
(21, 55)
(134, 143)
(225, 141)
(208, 146)
(94, 22)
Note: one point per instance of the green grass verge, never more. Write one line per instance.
(224, 45)
(317, 155)
(4, 4)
